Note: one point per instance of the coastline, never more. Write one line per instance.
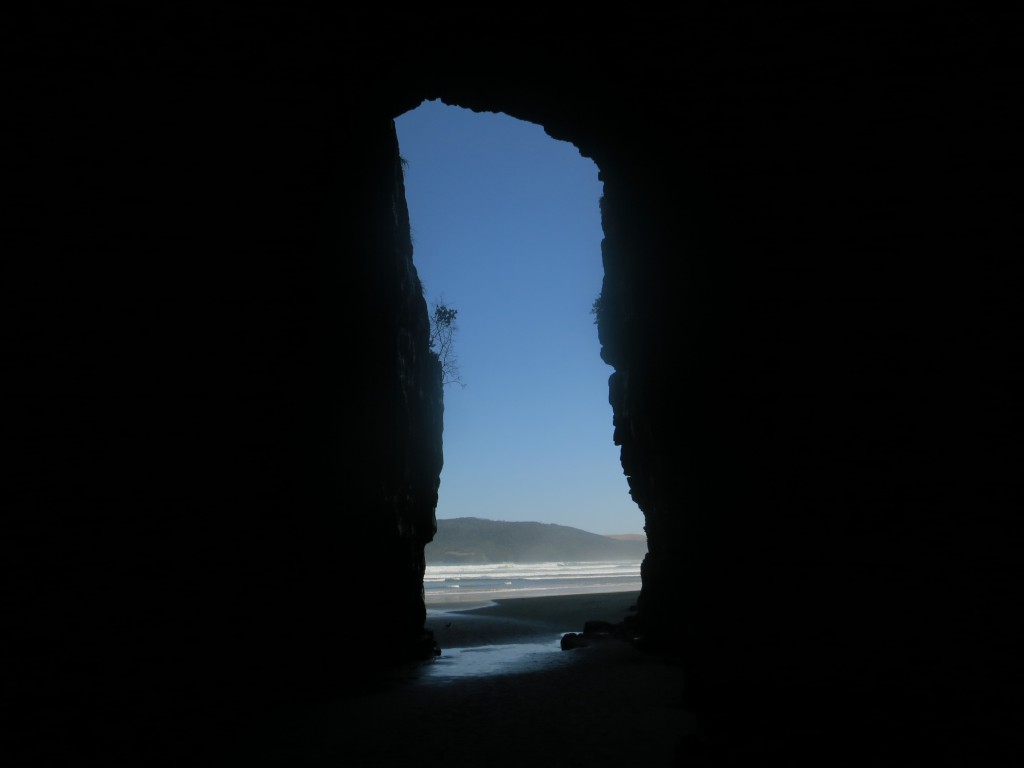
(483, 596)
(489, 581)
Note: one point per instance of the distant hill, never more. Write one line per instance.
(473, 540)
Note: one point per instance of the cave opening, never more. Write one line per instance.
(221, 423)
(506, 229)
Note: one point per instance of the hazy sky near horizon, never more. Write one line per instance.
(507, 230)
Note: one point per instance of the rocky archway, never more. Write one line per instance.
(810, 327)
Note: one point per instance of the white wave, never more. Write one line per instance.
(497, 591)
(508, 571)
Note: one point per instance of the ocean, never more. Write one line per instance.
(465, 583)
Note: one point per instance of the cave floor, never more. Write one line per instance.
(502, 693)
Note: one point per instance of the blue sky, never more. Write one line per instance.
(506, 229)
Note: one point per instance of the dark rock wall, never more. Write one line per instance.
(811, 308)
(224, 419)
(805, 393)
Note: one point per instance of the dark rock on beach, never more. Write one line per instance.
(594, 630)
(572, 640)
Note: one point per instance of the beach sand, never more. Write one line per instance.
(485, 622)
(502, 693)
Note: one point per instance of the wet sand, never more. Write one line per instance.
(483, 622)
(502, 693)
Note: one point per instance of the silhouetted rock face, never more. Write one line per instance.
(224, 381)
(812, 312)
(406, 450)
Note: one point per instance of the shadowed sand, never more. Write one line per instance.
(501, 694)
(484, 622)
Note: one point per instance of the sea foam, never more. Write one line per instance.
(443, 582)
